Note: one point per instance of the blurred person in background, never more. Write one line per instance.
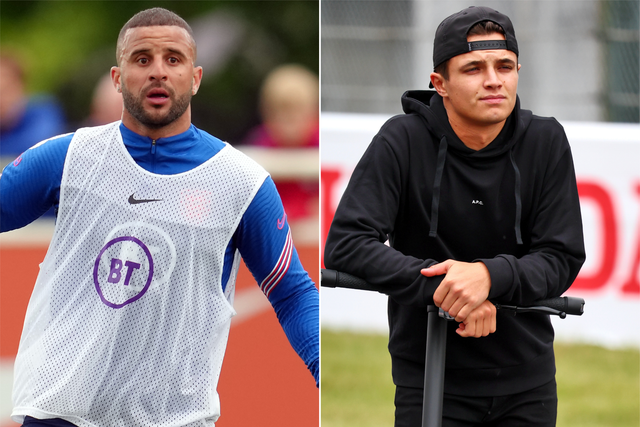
(24, 120)
(289, 111)
(130, 314)
(106, 103)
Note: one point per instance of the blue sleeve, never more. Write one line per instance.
(30, 185)
(264, 241)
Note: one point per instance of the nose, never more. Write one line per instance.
(492, 79)
(158, 70)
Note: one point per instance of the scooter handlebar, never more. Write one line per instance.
(558, 305)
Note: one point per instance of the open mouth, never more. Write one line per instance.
(158, 95)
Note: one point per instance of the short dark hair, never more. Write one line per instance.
(156, 16)
(483, 28)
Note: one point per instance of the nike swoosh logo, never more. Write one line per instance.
(134, 201)
(282, 221)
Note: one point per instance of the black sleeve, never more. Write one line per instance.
(363, 221)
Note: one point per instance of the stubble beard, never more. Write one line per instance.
(134, 105)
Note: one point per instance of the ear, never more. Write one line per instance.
(197, 79)
(115, 78)
(438, 83)
(519, 66)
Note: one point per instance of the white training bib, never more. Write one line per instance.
(128, 322)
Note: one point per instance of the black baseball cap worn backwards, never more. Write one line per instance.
(451, 35)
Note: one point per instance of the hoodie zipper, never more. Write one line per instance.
(153, 155)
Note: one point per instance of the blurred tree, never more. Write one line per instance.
(68, 45)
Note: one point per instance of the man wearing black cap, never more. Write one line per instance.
(478, 201)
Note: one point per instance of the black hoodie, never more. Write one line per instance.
(512, 205)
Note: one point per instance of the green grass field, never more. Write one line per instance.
(597, 387)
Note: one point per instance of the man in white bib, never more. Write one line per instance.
(130, 314)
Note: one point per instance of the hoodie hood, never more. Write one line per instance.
(429, 106)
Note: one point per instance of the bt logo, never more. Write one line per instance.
(116, 271)
(115, 266)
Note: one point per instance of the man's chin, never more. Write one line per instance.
(496, 116)
(156, 119)
(156, 116)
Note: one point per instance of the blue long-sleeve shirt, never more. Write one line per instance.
(31, 185)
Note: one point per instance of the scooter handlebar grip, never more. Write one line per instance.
(568, 305)
(337, 279)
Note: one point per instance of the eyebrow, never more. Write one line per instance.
(146, 50)
(508, 61)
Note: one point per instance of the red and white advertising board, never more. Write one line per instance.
(607, 163)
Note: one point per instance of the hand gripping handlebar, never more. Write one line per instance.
(559, 306)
